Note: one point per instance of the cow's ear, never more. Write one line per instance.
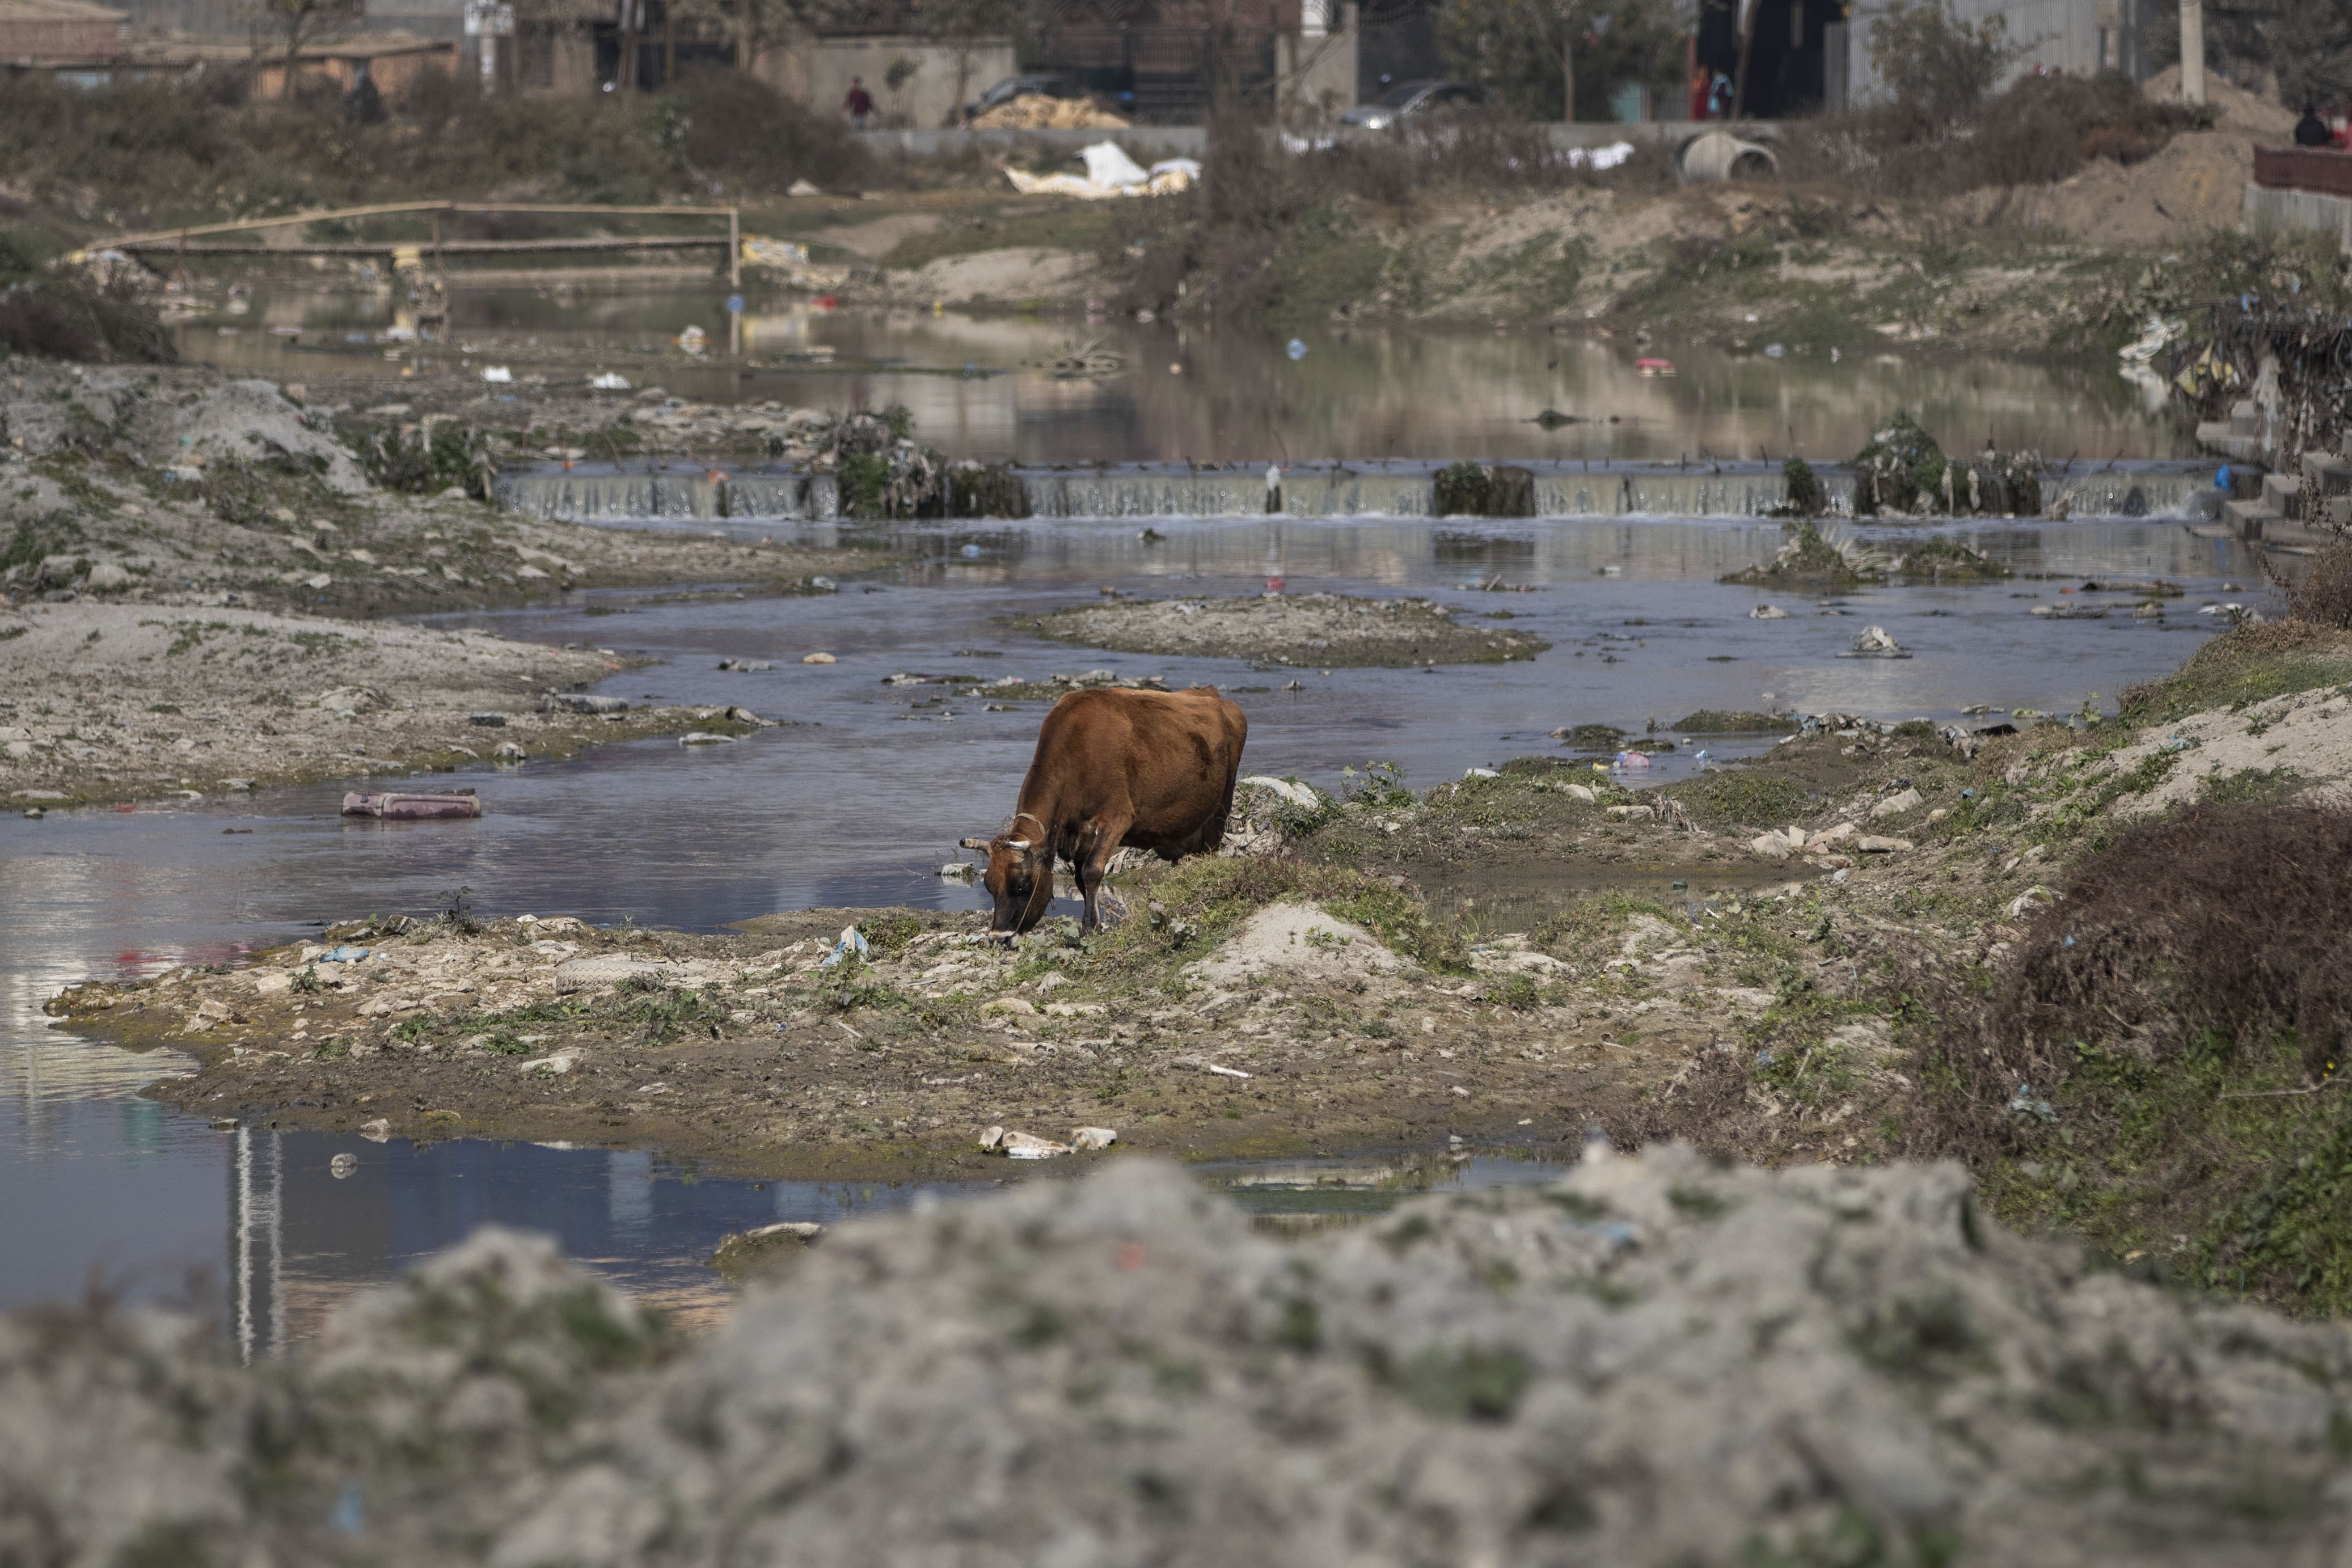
(975, 843)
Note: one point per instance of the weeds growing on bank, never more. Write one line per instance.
(2159, 1067)
(2035, 132)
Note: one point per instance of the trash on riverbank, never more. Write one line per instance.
(1875, 643)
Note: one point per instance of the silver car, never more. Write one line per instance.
(1413, 99)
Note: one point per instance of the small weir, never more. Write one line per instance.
(670, 491)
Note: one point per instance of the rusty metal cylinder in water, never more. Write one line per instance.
(413, 807)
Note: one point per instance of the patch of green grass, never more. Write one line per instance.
(1052, 224)
(2231, 1149)
(1741, 798)
(1714, 721)
(2242, 667)
(2252, 786)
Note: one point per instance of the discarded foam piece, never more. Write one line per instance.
(705, 737)
(413, 807)
(1029, 1146)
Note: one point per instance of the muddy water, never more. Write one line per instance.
(983, 386)
(864, 791)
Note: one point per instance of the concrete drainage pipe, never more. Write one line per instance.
(1720, 155)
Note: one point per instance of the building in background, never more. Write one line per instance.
(2080, 38)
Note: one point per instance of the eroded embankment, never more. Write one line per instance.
(1660, 1359)
(186, 487)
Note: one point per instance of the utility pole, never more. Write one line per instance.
(1739, 74)
(1568, 62)
(2192, 52)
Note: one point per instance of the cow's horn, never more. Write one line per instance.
(1020, 844)
(975, 843)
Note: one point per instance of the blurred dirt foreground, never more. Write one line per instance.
(1657, 1360)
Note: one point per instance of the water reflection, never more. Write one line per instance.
(982, 386)
(302, 1237)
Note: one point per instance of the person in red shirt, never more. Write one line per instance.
(859, 103)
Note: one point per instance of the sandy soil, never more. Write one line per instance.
(2196, 184)
(118, 702)
(1309, 629)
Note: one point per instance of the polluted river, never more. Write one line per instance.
(1147, 484)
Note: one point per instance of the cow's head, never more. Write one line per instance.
(1020, 875)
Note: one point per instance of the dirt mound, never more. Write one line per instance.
(1298, 942)
(2195, 183)
(1657, 1360)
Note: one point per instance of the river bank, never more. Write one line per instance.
(1778, 960)
(1510, 958)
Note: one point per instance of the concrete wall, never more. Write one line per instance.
(1146, 144)
(2272, 210)
(817, 73)
(2079, 37)
(1315, 71)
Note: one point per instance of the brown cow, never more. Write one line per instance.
(1153, 771)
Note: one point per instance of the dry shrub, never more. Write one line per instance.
(70, 316)
(2218, 929)
(2038, 132)
(2323, 597)
(744, 132)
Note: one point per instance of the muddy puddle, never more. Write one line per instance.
(983, 386)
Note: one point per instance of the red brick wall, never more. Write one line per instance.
(60, 39)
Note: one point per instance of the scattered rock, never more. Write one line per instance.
(1896, 804)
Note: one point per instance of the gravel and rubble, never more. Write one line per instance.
(180, 487)
(123, 702)
(1660, 1358)
(1324, 630)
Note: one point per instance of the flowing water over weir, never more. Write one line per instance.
(659, 491)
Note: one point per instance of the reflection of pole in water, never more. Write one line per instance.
(257, 1243)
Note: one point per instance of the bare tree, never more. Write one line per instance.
(962, 27)
(300, 23)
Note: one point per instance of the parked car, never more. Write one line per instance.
(1413, 99)
(1033, 84)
